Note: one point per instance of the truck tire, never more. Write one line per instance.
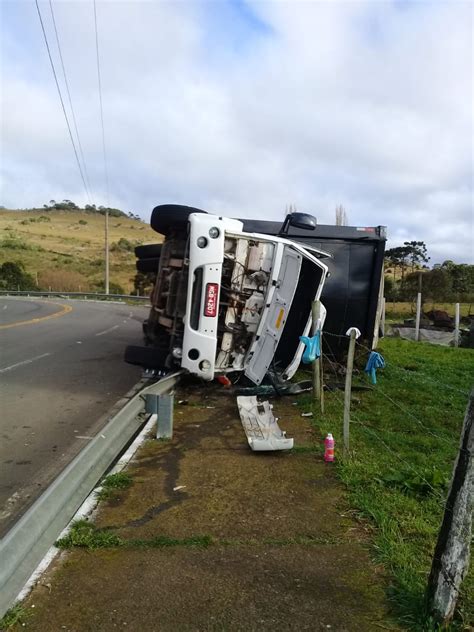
(148, 265)
(148, 251)
(147, 357)
(167, 218)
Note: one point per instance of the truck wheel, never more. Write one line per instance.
(148, 251)
(148, 265)
(167, 218)
(147, 357)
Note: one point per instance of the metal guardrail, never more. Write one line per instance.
(74, 295)
(27, 542)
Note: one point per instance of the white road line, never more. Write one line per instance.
(106, 331)
(14, 366)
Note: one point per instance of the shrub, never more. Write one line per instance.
(123, 245)
(14, 277)
(13, 242)
(61, 280)
(82, 222)
(114, 288)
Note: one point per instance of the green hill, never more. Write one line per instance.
(64, 249)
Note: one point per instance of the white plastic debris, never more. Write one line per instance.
(261, 427)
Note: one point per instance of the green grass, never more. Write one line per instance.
(404, 439)
(17, 615)
(114, 482)
(85, 535)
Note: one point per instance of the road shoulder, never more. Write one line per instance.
(211, 536)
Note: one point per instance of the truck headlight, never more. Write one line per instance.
(214, 232)
(205, 365)
(201, 242)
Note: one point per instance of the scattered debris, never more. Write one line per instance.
(306, 414)
(260, 425)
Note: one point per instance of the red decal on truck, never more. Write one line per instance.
(210, 306)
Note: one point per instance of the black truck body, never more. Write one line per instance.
(354, 287)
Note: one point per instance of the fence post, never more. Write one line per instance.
(382, 318)
(418, 316)
(451, 556)
(352, 332)
(315, 324)
(456, 325)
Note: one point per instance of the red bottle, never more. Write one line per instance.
(329, 448)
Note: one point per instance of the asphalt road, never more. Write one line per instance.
(61, 372)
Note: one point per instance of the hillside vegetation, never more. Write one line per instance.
(64, 249)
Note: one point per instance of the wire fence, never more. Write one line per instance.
(392, 439)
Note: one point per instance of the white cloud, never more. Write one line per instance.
(368, 104)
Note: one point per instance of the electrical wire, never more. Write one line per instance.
(106, 171)
(79, 144)
(61, 99)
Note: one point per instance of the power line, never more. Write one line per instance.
(106, 171)
(61, 99)
(86, 175)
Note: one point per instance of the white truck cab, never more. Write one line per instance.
(228, 301)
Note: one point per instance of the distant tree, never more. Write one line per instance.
(69, 204)
(389, 288)
(462, 279)
(437, 284)
(341, 216)
(416, 253)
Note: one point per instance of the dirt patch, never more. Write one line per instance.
(223, 588)
(284, 553)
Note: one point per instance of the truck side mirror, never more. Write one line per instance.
(298, 220)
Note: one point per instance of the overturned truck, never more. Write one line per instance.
(226, 300)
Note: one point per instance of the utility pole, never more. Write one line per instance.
(107, 251)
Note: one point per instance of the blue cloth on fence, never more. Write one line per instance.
(313, 347)
(374, 362)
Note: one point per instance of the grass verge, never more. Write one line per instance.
(85, 535)
(17, 615)
(113, 483)
(404, 439)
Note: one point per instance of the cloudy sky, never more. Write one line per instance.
(244, 107)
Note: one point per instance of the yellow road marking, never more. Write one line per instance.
(65, 310)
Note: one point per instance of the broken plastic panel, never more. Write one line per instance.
(260, 425)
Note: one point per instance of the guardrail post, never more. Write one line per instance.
(151, 404)
(164, 429)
